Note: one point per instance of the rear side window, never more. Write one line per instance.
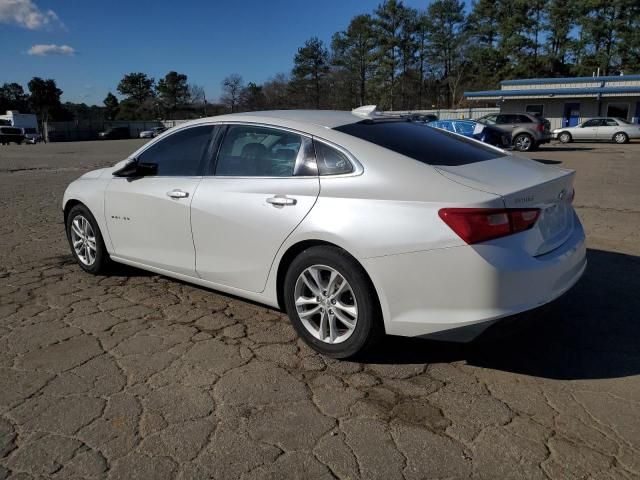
(422, 143)
(523, 119)
(331, 161)
(253, 151)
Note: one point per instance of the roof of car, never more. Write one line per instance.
(320, 118)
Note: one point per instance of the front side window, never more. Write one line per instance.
(179, 154)
(596, 122)
(252, 151)
(331, 161)
(489, 120)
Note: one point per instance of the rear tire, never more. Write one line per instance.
(620, 138)
(339, 318)
(85, 240)
(564, 137)
(523, 142)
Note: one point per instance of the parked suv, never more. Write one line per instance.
(527, 131)
(11, 134)
(114, 133)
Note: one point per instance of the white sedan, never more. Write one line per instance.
(605, 129)
(154, 132)
(356, 224)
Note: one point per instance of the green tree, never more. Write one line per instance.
(252, 97)
(353, 51)
(558, 23)
(173, 91)
(445, 34)
(112, 106)
(12, 97)
(232, 87)
(137, 87)
(44, 97)
(390, 17)
(311, 65)
(604, 25)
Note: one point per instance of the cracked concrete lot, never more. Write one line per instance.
(134, 375)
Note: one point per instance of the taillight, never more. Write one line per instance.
(475, 225)
(541, 127)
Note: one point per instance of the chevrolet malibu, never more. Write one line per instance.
(355, 223)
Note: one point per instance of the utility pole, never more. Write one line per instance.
(205, 102)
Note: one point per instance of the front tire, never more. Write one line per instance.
(523, 142)
(564, 137)
(85, 240)
(621, 138)
(332, 303)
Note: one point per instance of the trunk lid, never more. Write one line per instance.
(525, 183)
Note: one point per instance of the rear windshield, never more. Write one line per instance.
(421, 142)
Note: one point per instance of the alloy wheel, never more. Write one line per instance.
(83, 240)
(620, 138)
(523, 143)
(326, 304)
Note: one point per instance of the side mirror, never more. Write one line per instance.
(136, 170)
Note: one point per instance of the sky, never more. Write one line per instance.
(86, 46)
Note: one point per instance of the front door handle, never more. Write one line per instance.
(281, 201)
(176, 193)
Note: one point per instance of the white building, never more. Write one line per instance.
(568, 101)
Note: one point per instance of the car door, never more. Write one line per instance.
(587, 131)
(148, 218)
(607, 129)
(261, 184)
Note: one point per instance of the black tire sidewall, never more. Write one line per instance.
(369, 326)
(102, 257)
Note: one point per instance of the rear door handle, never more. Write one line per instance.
(176, 193)
(281, 201)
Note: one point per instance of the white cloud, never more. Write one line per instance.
(26, 14)
(44, 50)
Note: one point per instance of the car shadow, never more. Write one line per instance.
(592, 332)
(564, 149)
(547, 162)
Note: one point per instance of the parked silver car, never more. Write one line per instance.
(527, 131)
(604, 128)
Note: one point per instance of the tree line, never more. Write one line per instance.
(397, 57)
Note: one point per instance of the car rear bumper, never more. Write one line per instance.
(457, 293)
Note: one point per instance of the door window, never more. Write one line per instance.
(610, 122)
(179, 154)
(251, 151)
(596, 122)
(502, 119)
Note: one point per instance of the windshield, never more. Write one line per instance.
(421, 142)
